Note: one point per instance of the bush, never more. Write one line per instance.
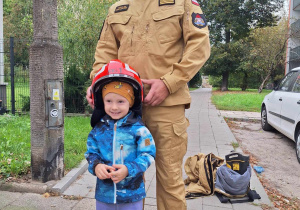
(25, 103)
(244, 80)
(75, 89)
(196, 81)
(236, 81)
(215, 81)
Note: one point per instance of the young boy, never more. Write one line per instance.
(119, 147)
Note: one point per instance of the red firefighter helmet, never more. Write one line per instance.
(115, 70)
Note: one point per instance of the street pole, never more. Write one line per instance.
(46, 94)
(1, 45)
(3, 97)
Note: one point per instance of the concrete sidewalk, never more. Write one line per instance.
(208, 132)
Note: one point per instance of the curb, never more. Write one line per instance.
(67, 180)
(58, 186)
(31, 187)
(231, 115)
(242, 119)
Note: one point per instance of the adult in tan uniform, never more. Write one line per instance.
(167, 42)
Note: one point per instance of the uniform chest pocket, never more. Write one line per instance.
(120, 27)
(167, 24)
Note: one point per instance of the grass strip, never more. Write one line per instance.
(236, 100)
(15, 155)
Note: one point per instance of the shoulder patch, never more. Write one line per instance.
(199, 20)
(166, 2)
(122, 8)
(195, 2)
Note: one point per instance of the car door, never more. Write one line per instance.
(290, 108)
(275, 101)
(273, 108)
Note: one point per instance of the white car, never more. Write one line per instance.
(280, 109)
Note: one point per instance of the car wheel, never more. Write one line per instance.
(298, 146)
(264, 120)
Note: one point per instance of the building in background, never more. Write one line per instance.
(293, 46)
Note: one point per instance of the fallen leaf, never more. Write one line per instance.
(46, 195)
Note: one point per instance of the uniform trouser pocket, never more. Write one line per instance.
(168, 126)
(179, 141)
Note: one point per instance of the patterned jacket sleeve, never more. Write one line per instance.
(92, 153)
(145, 153)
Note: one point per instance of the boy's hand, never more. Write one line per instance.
(119, 174)
(101, 171)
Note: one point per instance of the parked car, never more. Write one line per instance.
(280, 109)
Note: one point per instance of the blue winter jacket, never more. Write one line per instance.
(126, 141)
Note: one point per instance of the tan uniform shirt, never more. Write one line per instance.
(160, 39)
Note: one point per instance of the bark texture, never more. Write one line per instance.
(46, 63)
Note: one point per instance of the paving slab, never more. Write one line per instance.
(85, 204)
(6, 198)
(38, 202)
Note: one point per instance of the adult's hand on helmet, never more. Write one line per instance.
(89, 97)
(158, 92)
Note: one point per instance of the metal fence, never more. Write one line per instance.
(14, 74)
(14, 80)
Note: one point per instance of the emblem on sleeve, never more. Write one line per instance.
(147, 142)
(195, 2)
(199, 20)
(122, 8)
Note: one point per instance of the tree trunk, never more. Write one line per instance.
(225, 77)
(227, 35)
(46, 94)
(264, 81)
(244, 82)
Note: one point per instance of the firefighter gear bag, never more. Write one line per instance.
(201, 171)
(237, 162)
(231, 185)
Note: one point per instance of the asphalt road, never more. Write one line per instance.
(276, 154)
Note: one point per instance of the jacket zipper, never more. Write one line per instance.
(114, 161)
(121, 154)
